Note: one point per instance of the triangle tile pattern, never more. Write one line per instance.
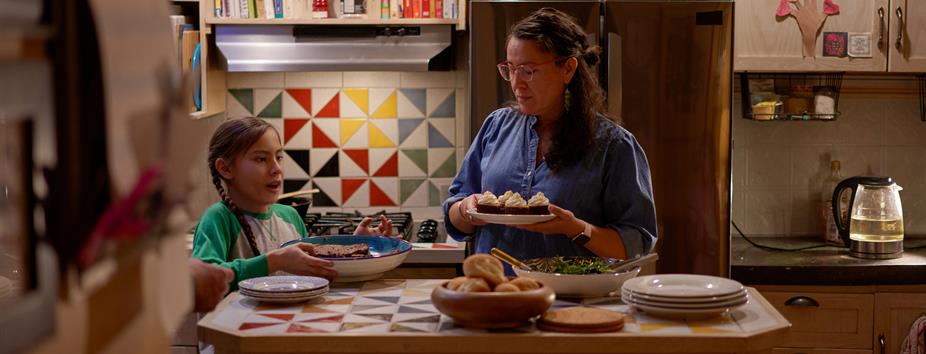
(245, 97)
(247, 325)
(383, 133)
(301, 159)
(361, 157)
(433, 195)
(448, 168)
(329, 191)
(292, 185)
(389, 299)
(320, 158)
(348, 167)
(323, 133)
(349, 127)
(390, 168)
(382, 191)
(298, 328)
(445, 127)
(417, 156)
(303, 97)
(409, 309)
(349, 186)
(446, 109)
(291, 127)
(416, 99)
(437, 157)
(378, 157)
(273, 109)
(331, 109)
(395, 327)
(436, 139)
(359, 98)
(408, 187)
(279, 316)
(407, 127)
(385, 108)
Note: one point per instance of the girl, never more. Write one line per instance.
(244, 231)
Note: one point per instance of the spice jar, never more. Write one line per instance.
(320, 9)
(824, 101)
(798, 102)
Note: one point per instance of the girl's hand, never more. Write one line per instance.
(564, 223)
(467, 204)
(384, 228)
(295, 259)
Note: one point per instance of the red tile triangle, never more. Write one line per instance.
(320, 139)
(378, 197)
(437, 245)
(303, 97)
(279, 316)
(361, 157)
(348, 187)
(247, 326)
(335, 319)
(390, 168)
(297, 328)
(291, 127)
(331, 110)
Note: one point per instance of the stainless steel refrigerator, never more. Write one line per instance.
(667, 68)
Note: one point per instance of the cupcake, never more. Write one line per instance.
(503, 198)
(516, 205)
(538, 204)
(488, 204)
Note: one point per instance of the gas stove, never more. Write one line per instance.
(344, 223)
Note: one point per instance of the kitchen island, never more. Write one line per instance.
(396, 316)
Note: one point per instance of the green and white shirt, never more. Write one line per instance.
(220, 240)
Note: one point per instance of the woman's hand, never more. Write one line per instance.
(384, 228)
(564, 223)
(467, 204)
(295, 259)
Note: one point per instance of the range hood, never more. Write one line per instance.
(335, 48)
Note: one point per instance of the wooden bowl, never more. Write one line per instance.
(492, 309)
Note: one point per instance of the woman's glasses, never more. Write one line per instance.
(524, 72)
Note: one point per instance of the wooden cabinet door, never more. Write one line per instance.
(825, 320)
(765, 42)
(910, 54)
(894, 313)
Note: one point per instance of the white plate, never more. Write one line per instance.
(676, 306)
(283, 284)
(509, 219)
(683, 285)
(680, 314)
(284, 300)
(684, 300)
(283, 295)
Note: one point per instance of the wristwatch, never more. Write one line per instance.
(583, 237)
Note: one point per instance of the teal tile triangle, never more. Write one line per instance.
(245, 97)
(448, 168)
(407, 126)
(406, 309)
(433, 195)
(407, 187)
(274, 109)
(416, 97)
(436, 139)
(419, 157)
(447, 109)
(392, 299)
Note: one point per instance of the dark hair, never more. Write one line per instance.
(231, 139)
(557, 33)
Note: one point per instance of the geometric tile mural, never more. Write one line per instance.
(361, 147)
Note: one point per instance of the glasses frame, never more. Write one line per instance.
(526, 76)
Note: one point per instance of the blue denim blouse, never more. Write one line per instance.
(610, 187)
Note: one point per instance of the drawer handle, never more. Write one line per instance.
(802, 301)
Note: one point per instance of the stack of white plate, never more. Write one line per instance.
(283, 289)
(683, 295)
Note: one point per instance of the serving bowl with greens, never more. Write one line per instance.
(578, 276)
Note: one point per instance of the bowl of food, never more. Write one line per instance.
(578, 276)
(486, 298)
(359, 258)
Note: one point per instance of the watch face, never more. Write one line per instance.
(581, 239)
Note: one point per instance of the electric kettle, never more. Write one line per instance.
(875, 227)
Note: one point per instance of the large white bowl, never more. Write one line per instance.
(585, 285)
(386, 254)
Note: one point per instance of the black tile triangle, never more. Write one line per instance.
(406, 309)
(422, 302)
(321, 199)
(435, 318)
(330, 169)
(301, 158)
(389, 299)
(357, 308)
(292, 185)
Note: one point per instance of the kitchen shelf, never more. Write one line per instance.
(778, 92)
(331, 21)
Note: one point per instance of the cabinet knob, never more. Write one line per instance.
(881, 342)
(802, 301)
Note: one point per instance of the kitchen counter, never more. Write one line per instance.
(822, 266)
(396, 316)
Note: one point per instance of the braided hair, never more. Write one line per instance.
(556, 32)
(231, 139)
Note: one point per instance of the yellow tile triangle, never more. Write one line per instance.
(349, 127)
(415, 293)
(650, 327)
(361, 97)
(387, 109)
(378, 139)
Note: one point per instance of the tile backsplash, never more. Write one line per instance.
(779, 166)
(367, 140)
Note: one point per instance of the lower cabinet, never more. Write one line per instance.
(846, 319)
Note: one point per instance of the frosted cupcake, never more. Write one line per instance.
(488, 204)
(504, 198)
(538, 204)
(516, 205)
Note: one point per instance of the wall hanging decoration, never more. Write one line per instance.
(809, 19)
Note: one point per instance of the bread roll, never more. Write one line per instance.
(507, 287)
(524, 283)
(474, 285)
(455, 283)
(486, 267)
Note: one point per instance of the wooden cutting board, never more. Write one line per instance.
(581, 320)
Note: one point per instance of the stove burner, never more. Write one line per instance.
(339, 223)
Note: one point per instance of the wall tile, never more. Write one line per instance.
(254, 80)
(371, 79)
(859, 160)
(805, 209)
(426, 79)
(770, 170)
(810, 165)
(738, 169)
(914, 213)
(907, 165)
(769, 213)
(313, 79)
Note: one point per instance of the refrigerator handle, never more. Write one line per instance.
(615, 86)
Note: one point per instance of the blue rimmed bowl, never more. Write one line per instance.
(386, 254)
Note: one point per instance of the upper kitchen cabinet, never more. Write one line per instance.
(907, 40)
(767, 42)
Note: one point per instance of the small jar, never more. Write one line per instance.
(320, 9)
(798, 102)
(824, 101)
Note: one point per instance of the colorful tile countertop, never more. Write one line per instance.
(403, 309)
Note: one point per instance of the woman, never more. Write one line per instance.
(556, 140)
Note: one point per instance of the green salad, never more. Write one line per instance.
(565, 265)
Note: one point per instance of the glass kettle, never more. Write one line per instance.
(875, 227)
